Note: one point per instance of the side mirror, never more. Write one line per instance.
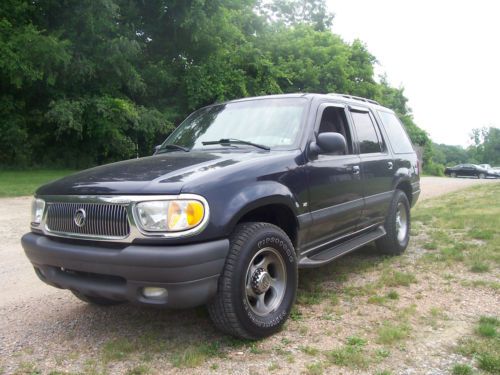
(329, 143)
(157, 147)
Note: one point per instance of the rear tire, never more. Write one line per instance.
(397, 226)
(99, 301)
(258, 285)
(481, 176)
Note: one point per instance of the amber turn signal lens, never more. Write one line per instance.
(194, 212)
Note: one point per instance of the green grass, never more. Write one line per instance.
(352, 354)
(376, 300)
(484, 345)
(20, 183)
(390, 333)
(315, 368)
(392, 278)
(117, 349)
(430, 245)
(139, 370)
(27, 368)
(195, 355)
(481, 234)
(479, 267)
(393, 294)
(273, 366)
(459, 369)
(309, 350)
(462, 227)
(487, 326)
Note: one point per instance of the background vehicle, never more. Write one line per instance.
(237, 198)
(469, 170)
(492, 172)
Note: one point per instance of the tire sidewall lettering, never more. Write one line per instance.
(280, 244)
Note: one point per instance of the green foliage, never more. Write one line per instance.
(450, 155)
(85, 83)
(434, 169)
(486, 148)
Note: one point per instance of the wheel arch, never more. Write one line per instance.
(273, 212)
(405, 186)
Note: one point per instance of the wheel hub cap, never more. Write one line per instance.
(265, 281)
(261, 281)
(401, 223)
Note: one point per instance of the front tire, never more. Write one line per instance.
(481, 176)
(397, 226)
(258, 285)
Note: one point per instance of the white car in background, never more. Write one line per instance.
(491, 170)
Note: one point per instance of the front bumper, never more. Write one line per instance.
(189, 273)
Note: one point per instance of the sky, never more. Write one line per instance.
(446, 55)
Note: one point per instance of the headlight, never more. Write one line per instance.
(37, 207)
(170, 216)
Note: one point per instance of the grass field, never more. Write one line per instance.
(19, 183)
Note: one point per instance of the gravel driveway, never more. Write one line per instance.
(48, 325)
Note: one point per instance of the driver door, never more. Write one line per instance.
(335, 191)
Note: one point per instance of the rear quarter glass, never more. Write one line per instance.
(398, 138)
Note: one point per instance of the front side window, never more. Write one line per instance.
(369, 142)
(334, 120)
(274, 123)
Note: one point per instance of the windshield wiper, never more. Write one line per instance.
(229, 141)
(174, 147)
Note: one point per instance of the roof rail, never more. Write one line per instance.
(354, 97)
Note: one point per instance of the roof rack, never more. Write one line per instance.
(355, 98)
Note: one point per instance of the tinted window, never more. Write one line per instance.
(397, 136)
(367, 136)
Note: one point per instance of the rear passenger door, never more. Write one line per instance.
(376, 164)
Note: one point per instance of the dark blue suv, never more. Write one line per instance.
(238, 198)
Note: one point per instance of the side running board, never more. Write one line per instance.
(329, 254)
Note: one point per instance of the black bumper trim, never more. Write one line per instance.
(188, 272)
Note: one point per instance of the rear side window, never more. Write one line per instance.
(369, 142)
(397, 136)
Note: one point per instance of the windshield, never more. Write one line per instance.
(274, 123)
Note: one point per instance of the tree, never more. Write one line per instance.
(294, 12)
(486, 147)
(89, 82)
(449, 155)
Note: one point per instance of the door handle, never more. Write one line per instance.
(389, 164)
(355, 169)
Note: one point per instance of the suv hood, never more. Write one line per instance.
(159, 174)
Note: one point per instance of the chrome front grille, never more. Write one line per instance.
(102, 220)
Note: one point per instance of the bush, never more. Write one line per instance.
(434, 169)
